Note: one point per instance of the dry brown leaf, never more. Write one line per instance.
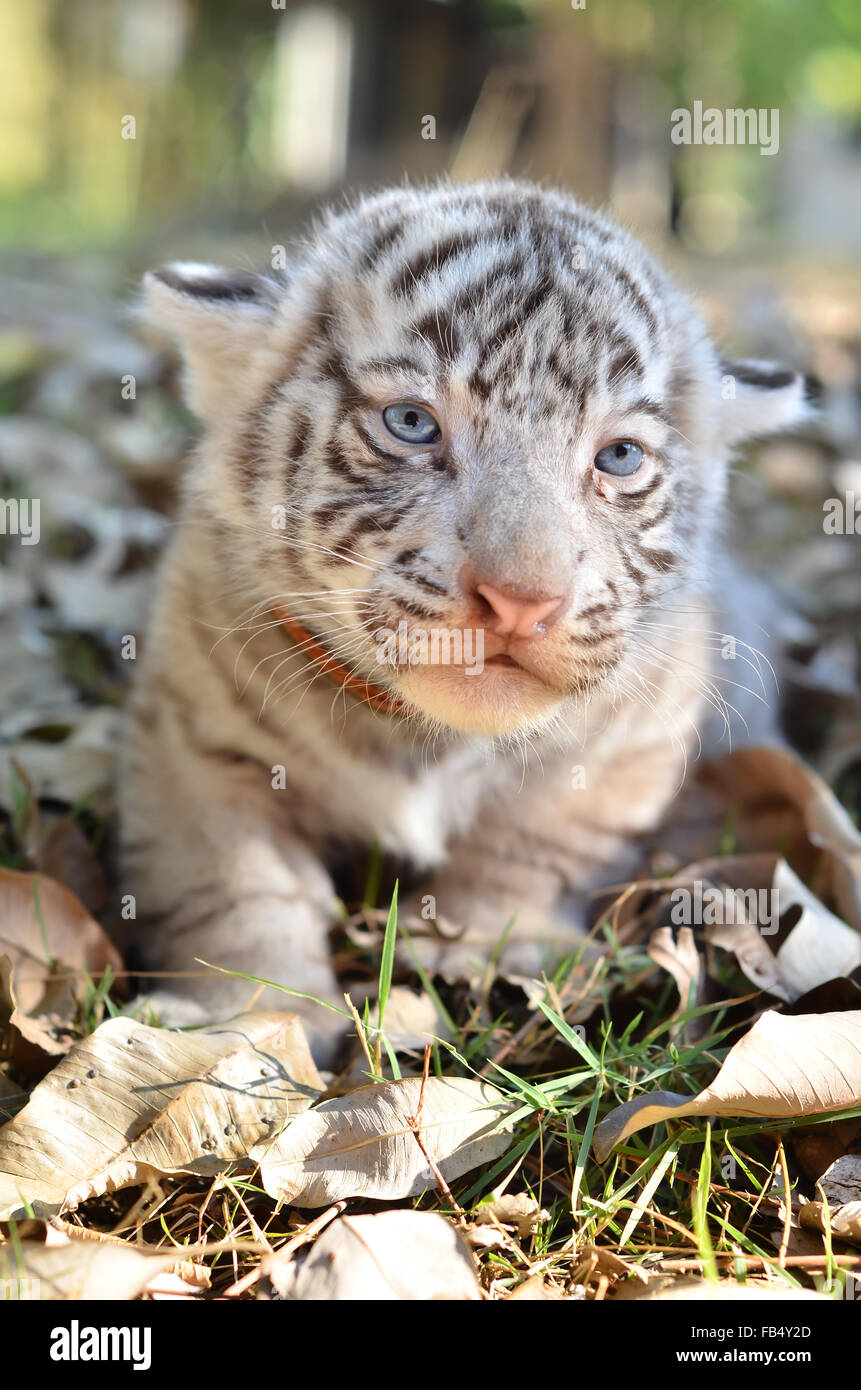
(646, 907)
(596, 1265)
(64, 853)
(678, 955)
(819, 947)
(489, 1238)
(50, 942)
(741, 873)
(785, 1066)
(841, 1188)
(842, 1182)
(515, 1209)
(391, 1256)
(363, 1144)
(844, 1222)
(798, 1243)
(755, 958)
(131, 1100)
(77, 1270)
(411, 1020)
(189, 1276)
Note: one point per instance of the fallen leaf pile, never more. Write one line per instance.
(131, 1105)
(132, 1100)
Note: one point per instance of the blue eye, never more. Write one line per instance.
(621, 459)
(412, 424)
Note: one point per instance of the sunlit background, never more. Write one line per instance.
(245, 111)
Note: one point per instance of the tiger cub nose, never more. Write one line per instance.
(515, 615)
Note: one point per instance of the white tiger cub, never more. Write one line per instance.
(477, 411)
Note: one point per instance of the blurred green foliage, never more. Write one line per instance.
(773, 52)
(207, 85)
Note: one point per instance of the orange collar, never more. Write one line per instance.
(373, 695)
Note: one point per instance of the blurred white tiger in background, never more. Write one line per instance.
(478, 409)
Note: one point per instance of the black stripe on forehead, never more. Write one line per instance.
(433, 258)
(382, 240)
(632, 293)
(529, 305)
(584, 326)
(439, 327)
(560, 238)
(624, 362)
(473, 296)
(566, 380)
(438, 331)
(482, 385)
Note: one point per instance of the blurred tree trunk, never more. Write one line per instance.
(570, 136)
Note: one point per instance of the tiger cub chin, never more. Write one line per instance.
(446, 580)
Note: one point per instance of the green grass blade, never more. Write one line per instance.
(699, 1204)
(573, 1039)
(387, 960)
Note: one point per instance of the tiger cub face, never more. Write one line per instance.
(478, 411)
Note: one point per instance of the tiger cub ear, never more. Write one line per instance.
(761, 398)
(216, 316)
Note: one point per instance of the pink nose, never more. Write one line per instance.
(515, 616)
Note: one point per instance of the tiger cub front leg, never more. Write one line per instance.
(217, 873)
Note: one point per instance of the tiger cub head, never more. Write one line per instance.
(472, 437)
